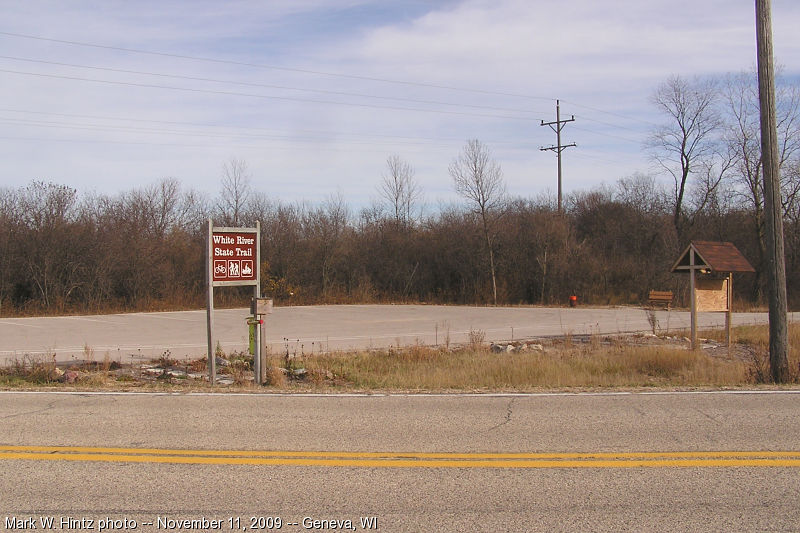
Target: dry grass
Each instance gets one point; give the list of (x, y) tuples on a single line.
[(757, 337), (569, 362), (275, 377), (42, 370), (33, 369), (421, 368)]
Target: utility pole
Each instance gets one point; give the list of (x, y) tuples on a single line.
[(557, 126), (776, 265)]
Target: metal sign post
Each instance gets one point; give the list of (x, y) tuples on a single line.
[(212, 366), (234, 256), (258, 308), (693, 306)]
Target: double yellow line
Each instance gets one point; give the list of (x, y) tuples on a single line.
[(785, 459)]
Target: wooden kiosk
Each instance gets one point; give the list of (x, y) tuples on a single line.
[(710, 266)]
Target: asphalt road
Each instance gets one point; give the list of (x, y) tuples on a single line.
[(136, 336), (550, 462)]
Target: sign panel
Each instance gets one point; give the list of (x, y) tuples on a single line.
[(711, 294), (234, 256)]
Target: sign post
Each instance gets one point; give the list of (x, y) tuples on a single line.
[(258, 308), (234, 256)]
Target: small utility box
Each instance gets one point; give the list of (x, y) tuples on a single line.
[(710, 266), (261, 306)]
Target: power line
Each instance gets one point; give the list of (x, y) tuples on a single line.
[(597, 158), (558, 148), (262, 85), (278, 133), (603, 134), (205, 125), (250, 95), (271, 67), (261, 132), (185, 145), (626, 117), (325, 73), (218, 135), (609, 124)]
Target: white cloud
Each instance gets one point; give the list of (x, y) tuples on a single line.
[(592, 55)]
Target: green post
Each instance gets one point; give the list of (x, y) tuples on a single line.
[(251, 324)]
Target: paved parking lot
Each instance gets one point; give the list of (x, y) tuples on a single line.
[(135, 336)]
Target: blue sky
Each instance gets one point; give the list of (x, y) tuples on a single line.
[(315, 95)]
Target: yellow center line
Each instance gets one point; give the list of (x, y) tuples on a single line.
[(725, 458), (405, 455), (406, 463)]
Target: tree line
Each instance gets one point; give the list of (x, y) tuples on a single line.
[(143, 249)]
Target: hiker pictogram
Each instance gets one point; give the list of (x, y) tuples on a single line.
[(233, 268)]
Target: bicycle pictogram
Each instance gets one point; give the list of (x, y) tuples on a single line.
[(220, 269)]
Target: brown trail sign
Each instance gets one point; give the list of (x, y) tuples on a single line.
[(232, 259), (234, 256)]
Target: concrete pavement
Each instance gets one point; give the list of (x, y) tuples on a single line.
[(669, 497), (135, 336)]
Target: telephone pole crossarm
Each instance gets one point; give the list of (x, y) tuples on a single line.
[(557, 125), (559, 148)]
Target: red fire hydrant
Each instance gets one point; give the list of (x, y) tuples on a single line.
[(573, 301)]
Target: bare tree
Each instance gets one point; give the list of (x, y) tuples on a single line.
[(687, 146), (9, 224), (479, 179), (164, 206), (743, 138), (325, 229), (52, 245), (642, 193), (235, 191), (399, 188)]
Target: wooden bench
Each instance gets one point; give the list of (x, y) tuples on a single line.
[(661, 298)]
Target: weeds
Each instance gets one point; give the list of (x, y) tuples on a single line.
[(238, 371), (756, 339), (759, 370), (468, 369), (239, 367), (564, 362), (88, 353), (477, 339), (197, 365), (445, 326), (568, 339), (38, 369), (276, 377), (652, 319), (165, 360)]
